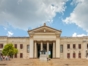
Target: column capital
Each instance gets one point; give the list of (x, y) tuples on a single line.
[(31, 36), (58, 35)]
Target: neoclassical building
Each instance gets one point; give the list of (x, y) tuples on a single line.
[(49, 39)]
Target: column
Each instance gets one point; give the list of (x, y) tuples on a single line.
[(41, 46), (31, 48), (54, 50), (35, 50), (58, 48), (47, 46), (47, 49)]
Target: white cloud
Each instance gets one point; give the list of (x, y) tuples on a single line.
[(9, 34), (78, 35), (24, 13), (80, 15)]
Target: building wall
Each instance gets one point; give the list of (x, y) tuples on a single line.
[(74, 40), (17, 40), (63, 41)]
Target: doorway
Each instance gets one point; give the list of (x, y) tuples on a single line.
[(50, 53)]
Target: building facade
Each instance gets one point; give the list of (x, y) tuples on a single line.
[(50, 40)]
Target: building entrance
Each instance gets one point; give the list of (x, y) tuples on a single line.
[(46, 47)]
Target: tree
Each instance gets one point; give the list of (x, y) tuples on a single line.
[(9, 50)]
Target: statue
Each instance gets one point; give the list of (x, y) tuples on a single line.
[(43, 55)]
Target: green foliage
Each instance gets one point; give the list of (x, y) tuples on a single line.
[(9, 50)]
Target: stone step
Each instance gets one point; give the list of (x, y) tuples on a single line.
[(37, 62)]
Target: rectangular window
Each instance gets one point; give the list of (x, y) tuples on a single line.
[(15, 55), (79, 46), (79, 55), (21, 55), (68, 55), (68, 46), (21, 46), (61, 48), (73, 55), (1, 45), (74, 46), (27, 48), (15, 45)]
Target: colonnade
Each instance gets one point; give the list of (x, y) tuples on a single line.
[(41, 48)]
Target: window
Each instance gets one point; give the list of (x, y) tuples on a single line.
[(15, 45), (68, 46), (74, 46), (73, 55), (79, 46), (27, 48), (68, 55), (21, 55), (21, 46), (15, 55), (1, 45), (79, 55), (61, 48)]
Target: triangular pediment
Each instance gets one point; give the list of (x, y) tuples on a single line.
[(44, 29)]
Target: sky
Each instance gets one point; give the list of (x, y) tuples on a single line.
[(17, 16)]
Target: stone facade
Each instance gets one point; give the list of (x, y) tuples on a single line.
[(49, 39)]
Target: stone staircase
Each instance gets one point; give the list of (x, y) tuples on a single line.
[(70, 62), (52, 62)]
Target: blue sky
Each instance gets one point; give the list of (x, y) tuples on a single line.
[(17, 16)]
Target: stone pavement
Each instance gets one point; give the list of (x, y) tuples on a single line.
[(52, 62)]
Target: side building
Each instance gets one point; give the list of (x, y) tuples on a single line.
[(49, 39)]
